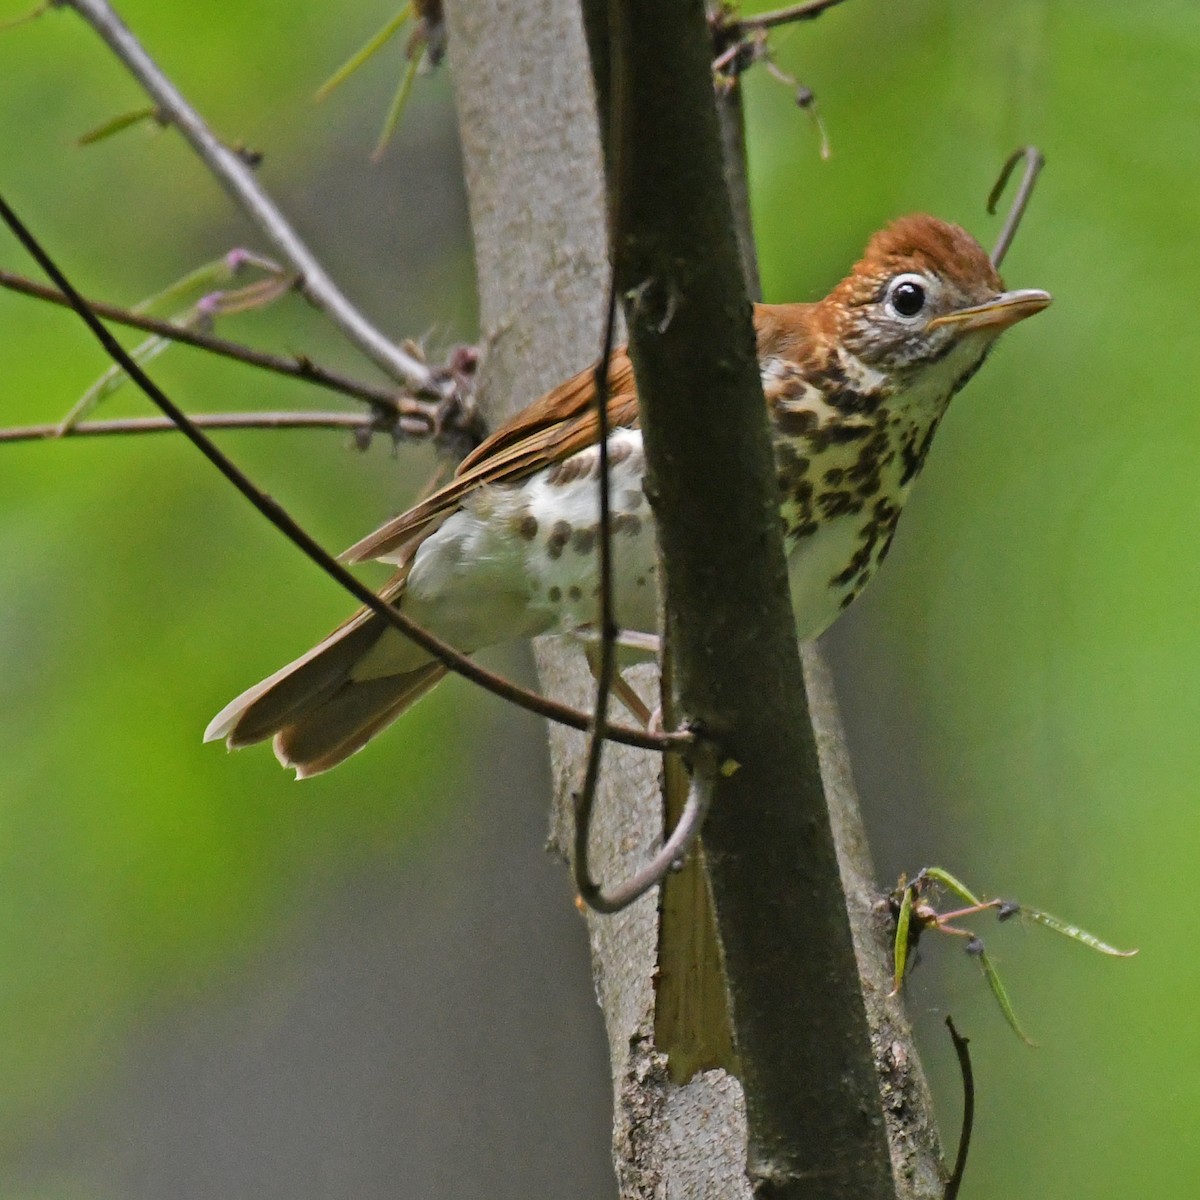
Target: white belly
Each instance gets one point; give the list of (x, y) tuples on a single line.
[(521, 561)]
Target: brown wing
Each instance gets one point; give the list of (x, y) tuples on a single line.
[(558, 425), (551, 429)]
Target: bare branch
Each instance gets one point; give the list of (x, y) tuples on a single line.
[(783, 16), (384, 399), (589, 891), (962, 1051), (138, 425), (1034, 162), (239, 180), (451, 658)]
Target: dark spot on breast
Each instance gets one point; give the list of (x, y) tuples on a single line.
[(583, 540), (860, 558), (913, 450), (838, 504), (795, 422), (618, 452), (627, 523), (559, 535), (791, 467), (874, 539), (848, 431), (841, 394), (571, 469), (832, 377), (554, 595), (863, 402), (574, 593), (834, 475), (864, 475), (527, 527)]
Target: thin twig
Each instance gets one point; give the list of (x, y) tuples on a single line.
[(451, 658), (239, 180), (241, 420), (590, 891), (961, 1048), (705, 771), (784, 16), (1034, 162), (741, 43), (384, 399)]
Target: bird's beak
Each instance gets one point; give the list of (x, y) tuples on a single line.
[(1006, 309)]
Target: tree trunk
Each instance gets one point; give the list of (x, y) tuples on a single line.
[(535, 179)]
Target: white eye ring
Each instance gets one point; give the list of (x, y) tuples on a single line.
[(907, 296)]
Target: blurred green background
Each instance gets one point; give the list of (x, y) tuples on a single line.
[(213, 983)]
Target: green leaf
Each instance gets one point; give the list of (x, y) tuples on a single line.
[(118, 124), (362, 55), (949, 882), (251, 298), (396, 111), (25, 18), (998, 990), (1074, 932), (207, 277), (900, 954), (110, 381)]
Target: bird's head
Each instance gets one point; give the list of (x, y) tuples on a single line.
[(924, 295)]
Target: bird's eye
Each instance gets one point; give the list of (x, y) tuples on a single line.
[(906, 295)]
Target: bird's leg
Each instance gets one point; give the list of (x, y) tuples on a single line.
[(628, 639), (632, 639)]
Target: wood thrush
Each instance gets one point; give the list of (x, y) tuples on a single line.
[(855, 386)]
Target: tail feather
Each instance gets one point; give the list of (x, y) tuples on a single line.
[(331, 701), (262, 710), (340, 725)]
